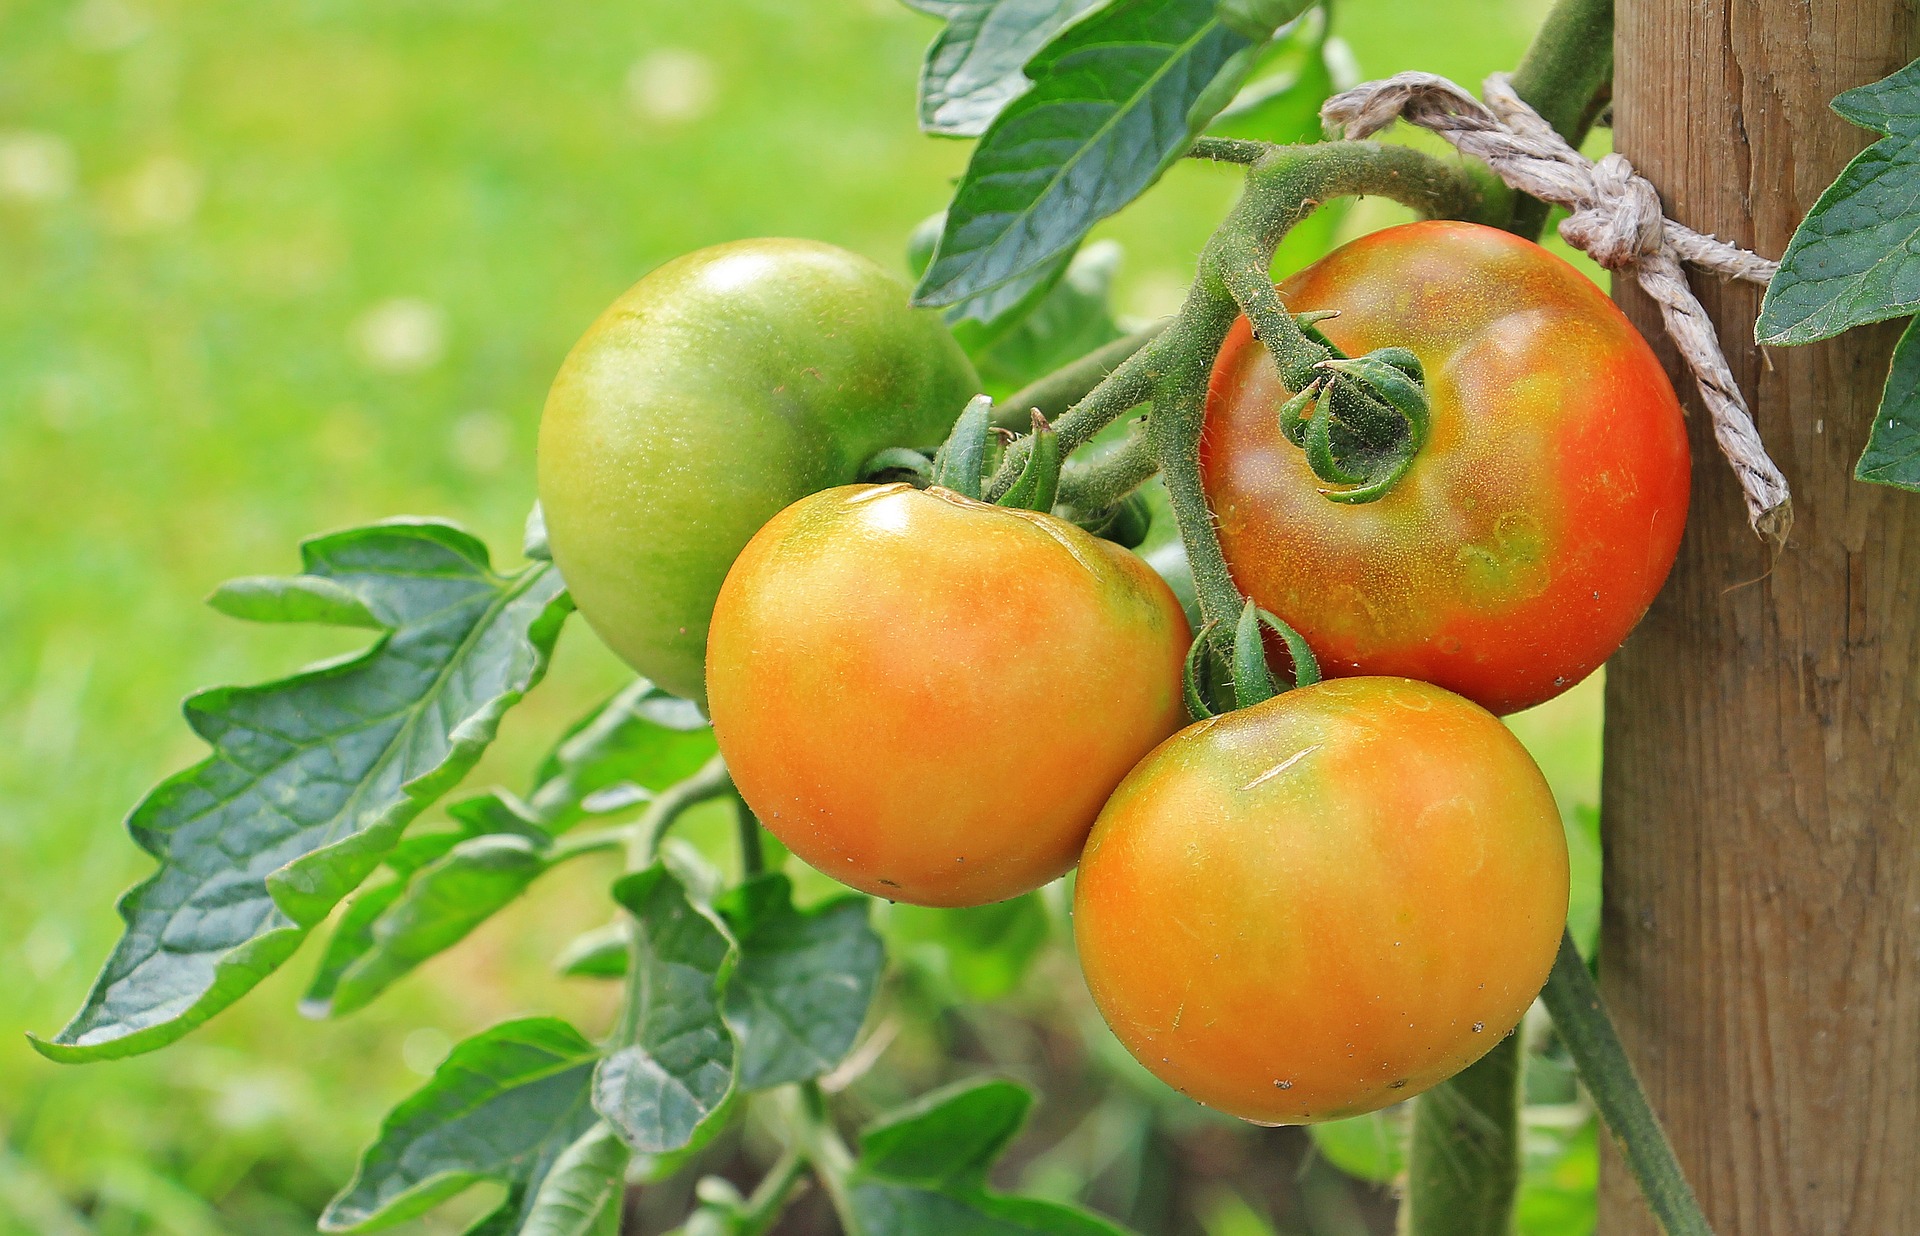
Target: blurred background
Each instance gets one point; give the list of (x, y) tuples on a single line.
[(277, 267)]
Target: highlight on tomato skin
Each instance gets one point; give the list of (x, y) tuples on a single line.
[(1532, 530), (1326, 903), (929, 698)]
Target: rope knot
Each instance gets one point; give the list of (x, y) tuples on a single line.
[(1621, 221)]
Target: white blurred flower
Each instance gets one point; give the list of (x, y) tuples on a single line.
[(35, 167), (482, 442), (672, 85), (402, 335), (163, 192)]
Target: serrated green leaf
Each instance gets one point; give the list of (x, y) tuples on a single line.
[(505, 1106), (641, 737), (292, 598), (443, 902), (312, 778), (1892, 456), (948, 1139), (1117, 96), (585, 1181), (600, 953), (351, 940), (1258, 19), (1291, 79), (671, 1067), (975, 66), (1855, 258), (800, 992), (922, 1170)]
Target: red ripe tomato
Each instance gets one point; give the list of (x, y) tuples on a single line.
[(929, 698), (1537, 523), (1323, 904)]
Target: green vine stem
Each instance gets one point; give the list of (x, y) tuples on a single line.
[(1566, 76), (710, 780), (1583, 1025), (769, 1199), (1097, 484), (819, 1142), (1058, 391), (753, 859), (1463, 1173)]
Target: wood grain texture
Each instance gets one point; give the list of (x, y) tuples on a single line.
[(1761, 798)]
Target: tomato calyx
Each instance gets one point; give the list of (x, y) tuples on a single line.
[(1361, 423), (1205, 678), (1039, 481)]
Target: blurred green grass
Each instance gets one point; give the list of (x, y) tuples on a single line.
[(276, 267)]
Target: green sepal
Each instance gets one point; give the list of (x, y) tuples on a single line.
[(1128, 522), (897, 463), (1318, 444), (1306, 666), (1192, 686), (1296, 410), (1309, 324), (961, 462), (1396, 378), (1034, 489), (1252, 682)]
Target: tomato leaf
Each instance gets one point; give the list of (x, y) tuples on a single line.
[(1117, 97), (507, 1105), (580, 1195), (1892, 456), (444, 902), (671, 1067), (600, 953), (312, 778), (922, 1171), (974, 67), (800, 993), (641, 740), (1855, 258)]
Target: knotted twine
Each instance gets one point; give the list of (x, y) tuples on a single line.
[(1617, 220)]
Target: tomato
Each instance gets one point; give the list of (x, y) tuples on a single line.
[(713, 393), (1326, 903), (929, 698), (1537, 523)]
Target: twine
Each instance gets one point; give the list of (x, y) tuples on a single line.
[(1617, 220)]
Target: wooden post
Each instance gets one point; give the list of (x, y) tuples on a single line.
[(1761, 800)]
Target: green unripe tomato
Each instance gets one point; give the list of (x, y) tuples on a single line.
[(716, 391)]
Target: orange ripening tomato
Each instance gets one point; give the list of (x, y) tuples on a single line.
[(1325, 903), (1536, 524), (928, 698)]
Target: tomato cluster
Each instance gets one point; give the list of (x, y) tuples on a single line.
[(1308, 908)]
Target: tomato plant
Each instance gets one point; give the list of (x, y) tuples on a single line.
[(718, 389), (1325, 903), (1437, 452), (1535, 524), (875, 648)]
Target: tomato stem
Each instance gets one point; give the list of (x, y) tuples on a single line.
[(1463, 1164), (1566, 76), (1057, 392)]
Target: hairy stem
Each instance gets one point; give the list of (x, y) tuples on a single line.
[(1582, 1022), (1067, 386), (710, 780), (1463, 1168), (753, 859), (1119, 393), (815, 1137), (1099, 483), (1565, 74), (763, 1209)]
